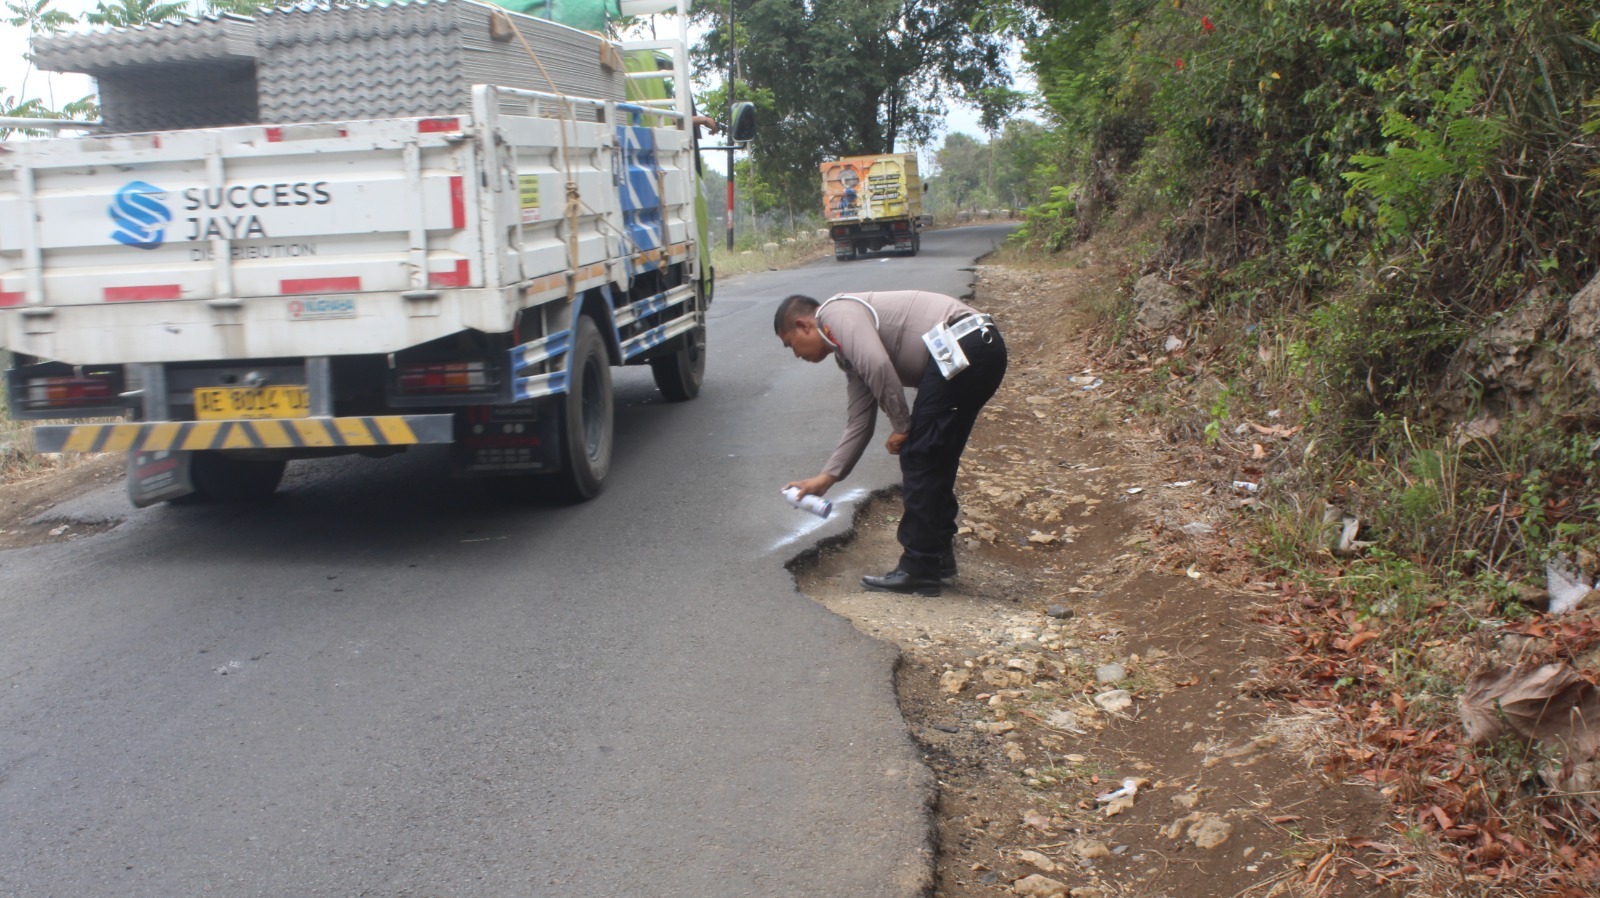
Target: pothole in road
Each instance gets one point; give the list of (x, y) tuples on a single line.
[(25, 511), (1033, 694)]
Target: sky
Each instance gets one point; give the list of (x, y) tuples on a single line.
[(57, 88)]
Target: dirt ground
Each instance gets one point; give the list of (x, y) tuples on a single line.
[(1084, 648)]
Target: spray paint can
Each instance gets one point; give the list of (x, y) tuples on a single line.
[(815, 504)]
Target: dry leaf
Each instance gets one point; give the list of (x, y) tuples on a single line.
[(1360, 639), (1546, 702), (1276, 430)]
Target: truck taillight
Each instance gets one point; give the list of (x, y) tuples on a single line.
[(901, 225), (430, 378), (74, 391)]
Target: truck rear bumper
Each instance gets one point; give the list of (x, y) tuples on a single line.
[(276, 433)]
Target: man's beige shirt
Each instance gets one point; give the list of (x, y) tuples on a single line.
[(880, 359)]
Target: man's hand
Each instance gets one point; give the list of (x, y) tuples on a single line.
[(814, 486), (895, 442)]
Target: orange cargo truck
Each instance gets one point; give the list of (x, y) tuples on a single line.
[(873, 203)]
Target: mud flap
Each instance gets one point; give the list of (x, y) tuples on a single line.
[(158, 476), (506, 439)]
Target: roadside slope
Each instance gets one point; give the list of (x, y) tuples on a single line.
[(1086, 644)]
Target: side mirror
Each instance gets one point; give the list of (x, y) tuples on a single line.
[(924, 186), (742, 129)]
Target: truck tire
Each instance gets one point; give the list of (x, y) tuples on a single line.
[(587, 425), (220, 478), (680, 374)]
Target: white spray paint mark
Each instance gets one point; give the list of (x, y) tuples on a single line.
[(810, 523)]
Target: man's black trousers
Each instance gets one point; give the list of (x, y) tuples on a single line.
[(941, 421)]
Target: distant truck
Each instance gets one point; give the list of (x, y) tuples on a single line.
[(308, 263), (873, 203)]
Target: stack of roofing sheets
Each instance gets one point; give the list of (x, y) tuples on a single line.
[(328, 61), (191, 73)]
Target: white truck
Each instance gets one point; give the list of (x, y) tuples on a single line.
[(236, 297)]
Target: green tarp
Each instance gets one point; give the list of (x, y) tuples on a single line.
[(589, 15)]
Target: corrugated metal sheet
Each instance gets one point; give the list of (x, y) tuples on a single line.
[(329, 61), (208, 39), (326, 61), (173, 97), (189, 73)]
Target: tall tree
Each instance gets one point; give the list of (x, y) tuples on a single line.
[(40, 19), (963, 168), (853, 76), (127, 13), (238, 7)]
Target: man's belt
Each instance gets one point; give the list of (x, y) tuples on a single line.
[(967, 325)]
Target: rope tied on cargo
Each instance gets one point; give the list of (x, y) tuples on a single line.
[(574, 203)]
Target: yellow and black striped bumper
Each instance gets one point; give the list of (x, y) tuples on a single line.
[(275, 433)]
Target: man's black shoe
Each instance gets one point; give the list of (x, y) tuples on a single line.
[(899, 581)]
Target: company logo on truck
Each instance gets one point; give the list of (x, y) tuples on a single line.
[(140, 215), (233, 208)]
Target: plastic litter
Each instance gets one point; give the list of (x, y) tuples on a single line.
[(1129, 788), (1567, 584)]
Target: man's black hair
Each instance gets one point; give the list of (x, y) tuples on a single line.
[(792, 309)]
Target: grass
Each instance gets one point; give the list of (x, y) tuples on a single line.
[(768, 255), (18, 461)]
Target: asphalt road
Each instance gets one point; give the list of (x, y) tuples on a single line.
[(388, 682)]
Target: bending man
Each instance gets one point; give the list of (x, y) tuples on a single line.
[(878, 340)]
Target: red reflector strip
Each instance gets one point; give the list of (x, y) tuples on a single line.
[(143, 293), (435, 125), (458, 203), (10, 299), (48, 392), (274, 135), (302, 286), (460, 277), (444, 377)]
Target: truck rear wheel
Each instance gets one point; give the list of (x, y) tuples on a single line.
[(221, 478), (587, 425), (680, 374)]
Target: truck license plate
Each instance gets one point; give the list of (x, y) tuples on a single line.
[(223, 403)]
